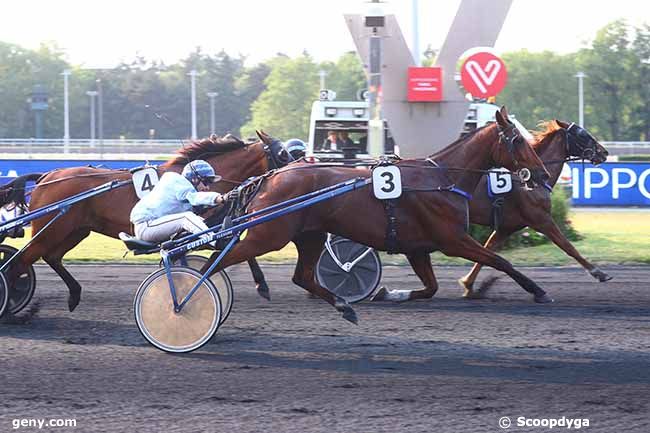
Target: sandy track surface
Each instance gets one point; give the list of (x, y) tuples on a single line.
[(292, 364)]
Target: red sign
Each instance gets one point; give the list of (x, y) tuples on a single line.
[(483, 74), (424, 84)]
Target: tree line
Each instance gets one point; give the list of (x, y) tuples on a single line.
[(146, 98)]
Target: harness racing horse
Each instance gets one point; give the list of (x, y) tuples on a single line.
[(430, 215), (555, 144), (108, 213)]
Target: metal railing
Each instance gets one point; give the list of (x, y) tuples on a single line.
[(32, 147), (102, 148), (627, 147)]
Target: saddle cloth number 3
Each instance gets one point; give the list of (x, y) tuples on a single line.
[(144, 181), (499, 181), (387, 182)]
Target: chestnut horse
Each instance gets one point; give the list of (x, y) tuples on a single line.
[(430, 215), (557, 143), (108, 213)]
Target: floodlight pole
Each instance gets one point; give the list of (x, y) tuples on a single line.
[(193, 75), (66, 112), (375, 20), (92, 94), (581, 113), (415, 23), (212, 95), (322, 74)]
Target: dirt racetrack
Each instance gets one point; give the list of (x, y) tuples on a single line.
[(292, 364)]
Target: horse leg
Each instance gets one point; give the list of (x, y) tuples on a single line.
[(260, 281), (54, 259), (468, 248), (421, 264), (309, 247), (553, 232), (494, 242)]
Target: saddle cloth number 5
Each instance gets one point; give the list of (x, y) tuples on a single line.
[(499, 181), (387, 182), (144, 181)]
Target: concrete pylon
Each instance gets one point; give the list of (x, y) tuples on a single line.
[(423, 128)]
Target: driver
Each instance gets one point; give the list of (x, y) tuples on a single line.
[(296, 148), (167, 209)]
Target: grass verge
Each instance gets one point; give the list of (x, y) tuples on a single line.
[(609, 238)]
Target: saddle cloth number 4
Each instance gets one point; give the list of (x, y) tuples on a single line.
[(499, 181), (387, 182), (144, 181)]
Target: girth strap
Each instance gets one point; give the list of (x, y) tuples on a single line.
[(392, 244)]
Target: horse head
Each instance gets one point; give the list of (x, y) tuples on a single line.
[(581, 144), (515, 153), (276, 152)]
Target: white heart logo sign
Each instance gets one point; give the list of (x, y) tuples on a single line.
[(483, 77)]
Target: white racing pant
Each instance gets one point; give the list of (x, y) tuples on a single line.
[(163, 228)]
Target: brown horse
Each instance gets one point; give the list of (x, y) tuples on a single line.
[(555, 144), (108, 213), (429, 215)]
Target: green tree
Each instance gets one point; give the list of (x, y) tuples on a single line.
[(541, 86), (346, 77), (641, 50), (608, 88), (283, 109), (20, 71)]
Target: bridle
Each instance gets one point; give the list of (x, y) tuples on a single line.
[(510, 136), (277, 155), (579, 146)]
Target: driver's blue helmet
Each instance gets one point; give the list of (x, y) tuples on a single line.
[(200, 170), (296, 147)]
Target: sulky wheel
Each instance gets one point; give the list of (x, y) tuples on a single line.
[(22, 292), (360, 281), (4, 295), (186, 330), (220, 280)]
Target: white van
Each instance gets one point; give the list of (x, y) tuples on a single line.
[(328, 115)]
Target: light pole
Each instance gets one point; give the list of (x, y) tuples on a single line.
[(92, 94), (66, 112), (415, 10), (193, 75), (322, 74), (375, 20), (100, 114), (581, 114), (212, 95)]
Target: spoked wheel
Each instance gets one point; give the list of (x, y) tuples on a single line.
[(4, 295), (220, 280), (361, 279), (186, 330), (22, 292)]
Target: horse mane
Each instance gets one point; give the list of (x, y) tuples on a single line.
[(461, 140), (545, 130), (212, 145)]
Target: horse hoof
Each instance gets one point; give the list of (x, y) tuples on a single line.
[(543, 299), (263, 291), (350, 315), (381, 294), (600, 275), (72, 303), (471, 294), (466, 287)]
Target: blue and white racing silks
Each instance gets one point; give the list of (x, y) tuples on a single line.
[(173, 194)]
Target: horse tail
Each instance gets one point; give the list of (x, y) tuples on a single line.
[(14, 191)]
